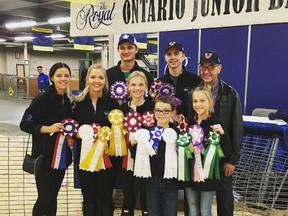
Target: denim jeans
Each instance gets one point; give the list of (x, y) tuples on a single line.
[(162, 197), (199, 202)]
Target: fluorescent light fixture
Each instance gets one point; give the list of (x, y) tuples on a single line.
[(24, 38), (59, 20), (98, 48), (55, 36), (20, 24), (2, 40)]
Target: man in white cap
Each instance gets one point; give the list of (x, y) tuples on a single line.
[(127, 50)]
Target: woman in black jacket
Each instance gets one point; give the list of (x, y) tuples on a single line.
[(93, 106), (43, 119)]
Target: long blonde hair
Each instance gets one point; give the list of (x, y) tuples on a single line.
[(85, 91)]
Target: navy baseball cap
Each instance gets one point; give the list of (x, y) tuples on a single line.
[(127, 38), (174, 44), (210, 57)]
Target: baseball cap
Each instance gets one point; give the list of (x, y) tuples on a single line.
[(210, 57), (127, 38), (174, 44)]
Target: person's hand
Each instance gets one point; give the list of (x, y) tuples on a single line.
[(217, 128), (56, 127), (191, 147), (133, 142), (178, 118), (228, 169)]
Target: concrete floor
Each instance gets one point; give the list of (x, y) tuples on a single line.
[(11, 111)]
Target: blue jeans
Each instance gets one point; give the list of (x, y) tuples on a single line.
[(162, 197), (199, 202)]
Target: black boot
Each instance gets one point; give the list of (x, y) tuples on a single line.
[(88, 209)]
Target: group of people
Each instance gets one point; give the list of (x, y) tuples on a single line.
[(207, 101)]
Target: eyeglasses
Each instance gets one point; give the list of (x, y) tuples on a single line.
[(209, 68), (165, 112)]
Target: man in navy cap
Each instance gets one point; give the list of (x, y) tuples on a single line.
[(177, 75), (127, 49), (227, 108)]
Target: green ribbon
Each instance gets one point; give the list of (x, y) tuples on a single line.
[(183, 141), (214, 140)]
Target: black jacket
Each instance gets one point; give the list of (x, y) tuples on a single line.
[(115, 74), (45, 110), (228, 109), (84, 113), (147, 106), (186, 82), (211, 184)]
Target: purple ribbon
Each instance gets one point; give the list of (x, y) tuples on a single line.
[(119, 90)]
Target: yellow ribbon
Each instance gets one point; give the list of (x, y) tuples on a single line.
[(117, 145)]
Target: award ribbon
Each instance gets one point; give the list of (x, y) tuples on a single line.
[(86, 133), (132, 122), (184, 154), (165, 89), (119, 91), (96, 127), (156, 134), (63, 139), (117, 145), (70, 129), (212, 155), (94, 160), (148, 119), (153, 88), (170, 168), (183, 125), (197, 138), (144, 151)]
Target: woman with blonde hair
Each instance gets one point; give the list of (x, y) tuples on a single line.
[(93, 106)]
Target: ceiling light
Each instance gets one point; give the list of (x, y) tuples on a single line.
[(59, 20), (98, 48), (55, 36), (20, 24), (24, 38), (2, 40)]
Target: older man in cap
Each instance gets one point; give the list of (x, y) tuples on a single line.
[(127, 49), (227, 108)]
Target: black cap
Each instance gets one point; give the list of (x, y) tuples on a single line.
[(174, 44), (210, 57)]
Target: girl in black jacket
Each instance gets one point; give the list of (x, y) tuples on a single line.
[(43, 119), (137, 84), (204, 184), (93, 106)]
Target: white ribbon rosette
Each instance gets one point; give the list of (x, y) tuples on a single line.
[(144, 151), (170, 136)]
